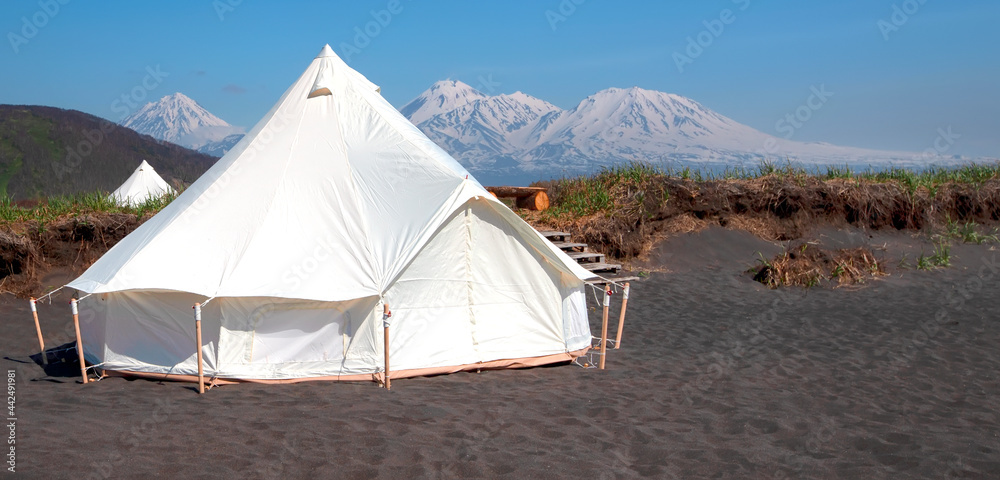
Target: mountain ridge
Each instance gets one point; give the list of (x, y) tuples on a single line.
[(178, 119), (612, 126)]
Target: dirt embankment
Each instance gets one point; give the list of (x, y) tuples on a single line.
[(29, 250), (641, 213), (772, 207)]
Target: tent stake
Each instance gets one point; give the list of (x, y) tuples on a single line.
[(197, 330), (79, 340), (386, 314), (38, 330), (621, 318), (604, 324)]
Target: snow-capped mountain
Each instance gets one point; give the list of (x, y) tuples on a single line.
[(178, 119), (517, 138), (508, 134), (479, 129)]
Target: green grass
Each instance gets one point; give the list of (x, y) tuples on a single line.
[(968, 232), (74, 205), (584, 196), (912, 179), (940, 258)]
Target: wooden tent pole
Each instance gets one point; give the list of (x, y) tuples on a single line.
[(604, 325), (38, 330), (386, 314), (197, 330), (621, 318), (79, 340)]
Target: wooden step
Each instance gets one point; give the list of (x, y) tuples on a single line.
[(569, 245), (601, 267), (593, 261), (554, 236), (586, 257)]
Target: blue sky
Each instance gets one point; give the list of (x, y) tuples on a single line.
[(895, 80)]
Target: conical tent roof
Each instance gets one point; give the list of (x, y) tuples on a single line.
[(333, 175), (141, 186)]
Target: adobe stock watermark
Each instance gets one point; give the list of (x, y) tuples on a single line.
[(123, 106), (955, 299), (225, 7), (305, 268), (135, 440), (487, 84), (275, 125), (714, 28), (946, 138), (901, 14), (11, 455), (562, 12), (30, 26), (747, 344), (797, 118), (364, 35), (273, 465)]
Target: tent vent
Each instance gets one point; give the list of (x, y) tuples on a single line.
[(324, 79), (319, 92)]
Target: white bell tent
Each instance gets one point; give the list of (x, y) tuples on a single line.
[(143, 185), (333, 205)]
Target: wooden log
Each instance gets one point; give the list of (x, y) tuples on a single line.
[(604, 326), (515, 192), (621, 317), (197, 333), (38, 331), (79, 339), (537, 201), (386, 314)]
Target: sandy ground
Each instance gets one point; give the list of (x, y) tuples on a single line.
[(717, 377)]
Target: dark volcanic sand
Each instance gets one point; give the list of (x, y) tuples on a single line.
[(718, 377)]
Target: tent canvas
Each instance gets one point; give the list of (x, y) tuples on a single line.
[(144, 184), (333, 205)]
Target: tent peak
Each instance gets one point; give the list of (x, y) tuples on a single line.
[(326, 52)]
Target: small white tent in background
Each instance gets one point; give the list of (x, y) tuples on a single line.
[(143, 185), (332, 207)]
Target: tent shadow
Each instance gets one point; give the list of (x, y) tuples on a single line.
[(59, 362)]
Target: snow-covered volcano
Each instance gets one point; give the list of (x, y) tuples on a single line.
[(507, 134), (179, 119)]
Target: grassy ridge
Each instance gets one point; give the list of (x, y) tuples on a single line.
[(623, 208), (628, 184), (73, 206), (627, 189)]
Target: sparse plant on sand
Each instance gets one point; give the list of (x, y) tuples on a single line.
[(838, 271), (968, 232), (809, 266), (942, 253), (940, 258)]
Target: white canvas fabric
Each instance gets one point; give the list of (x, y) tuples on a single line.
[(333, 204), (143, 185)]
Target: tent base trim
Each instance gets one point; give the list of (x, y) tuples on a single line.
[(526, 362)]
